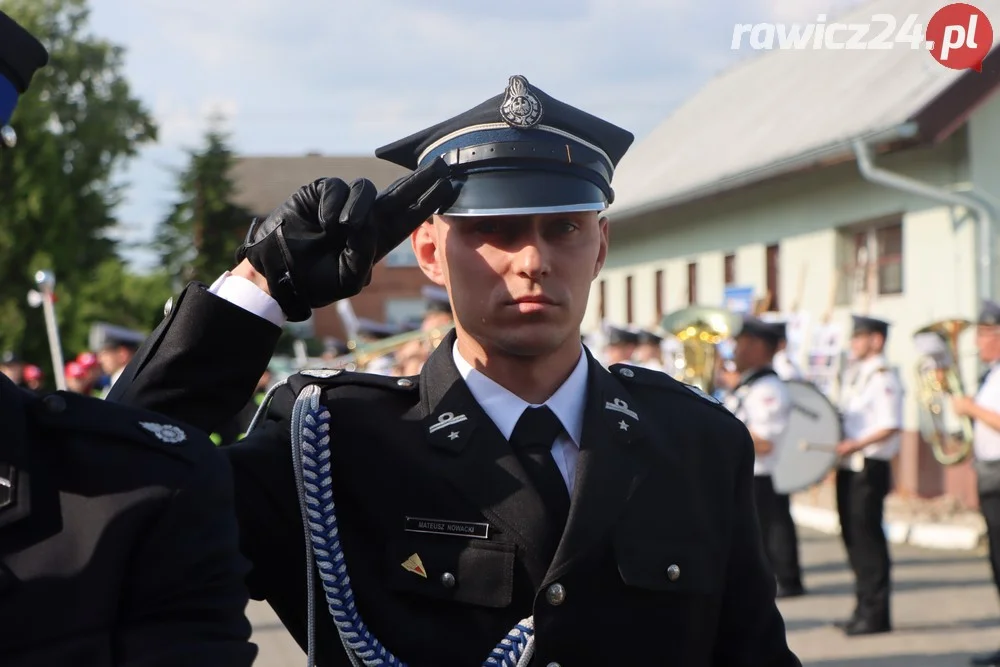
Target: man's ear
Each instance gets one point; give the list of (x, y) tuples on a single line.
[(424, 240), (602, 254)]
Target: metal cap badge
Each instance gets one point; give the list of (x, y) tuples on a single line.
[(520, 108)]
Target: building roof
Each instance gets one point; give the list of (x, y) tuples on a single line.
[(264, 182), (781, 111)]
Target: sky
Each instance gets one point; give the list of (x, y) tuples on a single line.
[(342, 78)]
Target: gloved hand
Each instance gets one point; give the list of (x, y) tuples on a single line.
[(321, 244)]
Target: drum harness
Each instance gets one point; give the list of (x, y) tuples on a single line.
[(749, 380), (310, 435)]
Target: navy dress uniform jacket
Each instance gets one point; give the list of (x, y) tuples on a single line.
[(117, 546), (661, 562)]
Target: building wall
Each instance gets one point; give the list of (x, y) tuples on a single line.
[(389, 283), (811, 218), (984, 161)]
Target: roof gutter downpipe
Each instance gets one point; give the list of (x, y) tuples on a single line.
[(983, 213)]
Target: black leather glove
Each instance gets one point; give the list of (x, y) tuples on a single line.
[(321, 244)]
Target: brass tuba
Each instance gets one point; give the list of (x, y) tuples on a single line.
[(700, 329), (362, 354), (938, 380)]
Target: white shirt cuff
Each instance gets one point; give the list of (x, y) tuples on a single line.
[(249, 297)]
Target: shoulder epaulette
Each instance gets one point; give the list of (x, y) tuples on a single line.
[(334, 377), (116, 423), (661, 380)]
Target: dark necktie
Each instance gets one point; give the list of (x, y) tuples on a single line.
[(532, 440)]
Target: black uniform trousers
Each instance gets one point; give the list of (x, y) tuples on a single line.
[(778, 532), (989, 506), (860, 505)]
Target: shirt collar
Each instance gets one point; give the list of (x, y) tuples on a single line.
[(505, 408)]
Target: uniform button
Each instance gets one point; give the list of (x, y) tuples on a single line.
[(403, 382), (54, 403), (448, 580), (627, 372), (556, 594), (553, 664), (673, 573), (168, 306)]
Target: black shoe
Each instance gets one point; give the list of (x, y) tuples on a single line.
[(790, 591), (990, 660), (866, 627), (843, 624)]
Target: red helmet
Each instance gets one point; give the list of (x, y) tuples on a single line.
[(75, 370), (32, 373)]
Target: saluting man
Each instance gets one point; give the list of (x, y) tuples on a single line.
[(516, 479), (760, 400), (872, 409), (118, 544), (985, 410)]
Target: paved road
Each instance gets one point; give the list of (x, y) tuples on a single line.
[(944, 606)]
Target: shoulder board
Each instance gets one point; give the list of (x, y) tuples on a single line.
[(111, 422), (650, 378), (335, 377)]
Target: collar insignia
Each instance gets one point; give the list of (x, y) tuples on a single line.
[(618, 405), (446, 419), (520, 108), (165, 432)]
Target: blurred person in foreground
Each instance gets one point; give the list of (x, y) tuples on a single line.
[(118, 546), (516, 482), (984, 408)]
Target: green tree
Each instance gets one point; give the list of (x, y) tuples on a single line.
[(77, 126), (197, 239)]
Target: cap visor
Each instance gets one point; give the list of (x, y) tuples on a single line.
[(523, 192)]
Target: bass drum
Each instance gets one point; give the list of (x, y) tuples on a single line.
[(806, 451)]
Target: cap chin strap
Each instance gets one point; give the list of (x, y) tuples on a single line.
[(310, 432)]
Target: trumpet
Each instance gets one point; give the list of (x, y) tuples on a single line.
[(938, 380), (363, 354)]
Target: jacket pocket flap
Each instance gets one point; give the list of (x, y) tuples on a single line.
[(447, 568), (668, 566)]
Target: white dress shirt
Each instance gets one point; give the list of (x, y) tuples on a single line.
[(505, 408), (985, 440), (785, 366), (499, 404), (764, 406), (872, 401), (246, 295)]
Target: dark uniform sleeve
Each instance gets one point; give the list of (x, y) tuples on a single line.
[(751, 629), (202, 364), (187, 600)]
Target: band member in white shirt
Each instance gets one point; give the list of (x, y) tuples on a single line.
[(760, 400), (872, 408), (985, 410), (620, 346), (648, 351)]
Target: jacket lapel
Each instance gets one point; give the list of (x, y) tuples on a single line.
[(472, 454), (612, 463)]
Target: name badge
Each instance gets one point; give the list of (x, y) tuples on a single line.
[(480, 531)]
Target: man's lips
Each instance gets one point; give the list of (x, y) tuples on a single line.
[(536, 300)]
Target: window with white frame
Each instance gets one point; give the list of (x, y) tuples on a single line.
[(871, 260)]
